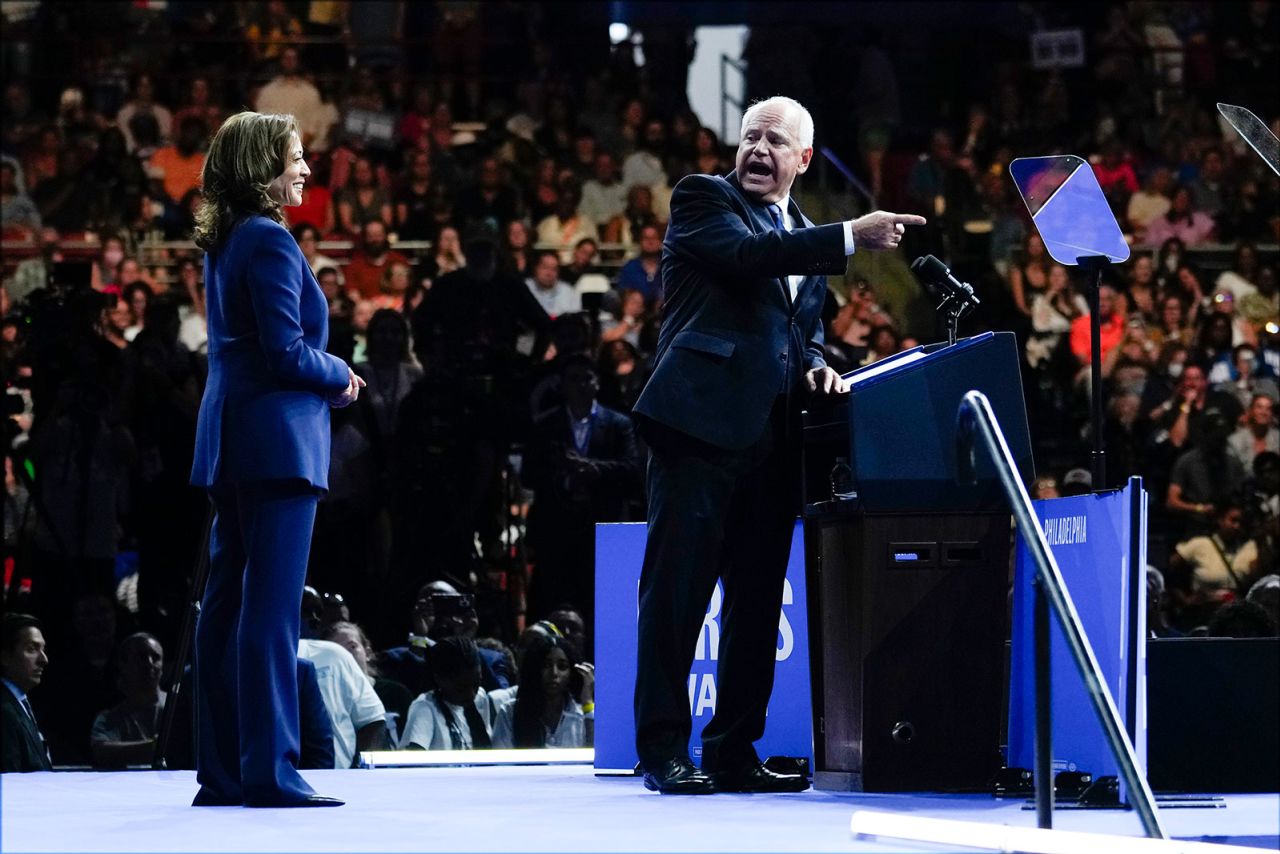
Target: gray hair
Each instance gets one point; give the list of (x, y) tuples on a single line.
[(806, 120)]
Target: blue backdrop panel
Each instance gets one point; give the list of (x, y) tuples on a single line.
[(1090, 536), (619, 555)]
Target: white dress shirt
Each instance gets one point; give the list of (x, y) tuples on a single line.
[(784, 204)]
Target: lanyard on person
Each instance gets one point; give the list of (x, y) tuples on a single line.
[(1225, 562)]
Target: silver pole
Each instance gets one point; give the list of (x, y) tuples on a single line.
[(975, 411)]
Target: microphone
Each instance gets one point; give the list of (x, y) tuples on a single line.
[(931, 271)]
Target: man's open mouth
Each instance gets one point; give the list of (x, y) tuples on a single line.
[(759, 169)]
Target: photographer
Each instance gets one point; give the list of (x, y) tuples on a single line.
[(84, 455), (440, 611)]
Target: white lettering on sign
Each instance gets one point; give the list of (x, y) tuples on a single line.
[(709, 638), (702, 686), (786, 635), (1066, 530), (702, 693)]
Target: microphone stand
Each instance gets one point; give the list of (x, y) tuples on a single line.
[(1095, 264), (955, 305), (177, 664), (955, 308)]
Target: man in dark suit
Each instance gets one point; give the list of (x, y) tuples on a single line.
[(583, 465), (744, 276), (22, 663)]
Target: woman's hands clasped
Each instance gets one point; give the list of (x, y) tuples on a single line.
[(347, 396)]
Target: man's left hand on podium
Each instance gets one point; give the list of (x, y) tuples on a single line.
[(825, 381)]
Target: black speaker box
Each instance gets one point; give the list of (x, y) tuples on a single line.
[(907, 623), (1212, 708)]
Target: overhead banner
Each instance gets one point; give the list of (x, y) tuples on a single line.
[(1099, 543), (619, 555)]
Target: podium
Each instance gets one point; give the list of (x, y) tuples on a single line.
[(908, 580)]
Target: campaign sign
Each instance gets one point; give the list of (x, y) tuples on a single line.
[(1090, 537), (619, 555)]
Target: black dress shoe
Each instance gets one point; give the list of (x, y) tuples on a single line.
[(755, 777), (308, 801), (678, 776)]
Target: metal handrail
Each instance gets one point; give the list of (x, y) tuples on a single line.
[(847, 173), (727, 62), (973, 420)]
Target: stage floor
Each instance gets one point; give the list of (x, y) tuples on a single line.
[(547, 809)]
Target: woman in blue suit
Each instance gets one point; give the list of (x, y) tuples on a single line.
[(262, 451)]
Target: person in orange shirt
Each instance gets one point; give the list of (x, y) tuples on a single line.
[(177, 167), (1112, 314)]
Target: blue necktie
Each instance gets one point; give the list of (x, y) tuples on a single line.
[(775, 213)]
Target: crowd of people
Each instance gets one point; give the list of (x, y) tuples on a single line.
[(497, 283)]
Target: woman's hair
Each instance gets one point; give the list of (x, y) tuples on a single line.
[(1172, 214), (135, 287), (389, 273), (531, 699), (1241, 250), (332, 630), (136, 639), (246, 155), (454, 656), (1192, 270), (391, 317), (610, 357)]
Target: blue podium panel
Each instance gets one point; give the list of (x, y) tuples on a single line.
[(1092, 539), (902, 425), (619, 556)]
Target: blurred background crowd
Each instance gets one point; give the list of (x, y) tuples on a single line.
[(490, 188)]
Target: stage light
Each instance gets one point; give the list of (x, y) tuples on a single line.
[(441, 758), (618, 33), (1030, 840)]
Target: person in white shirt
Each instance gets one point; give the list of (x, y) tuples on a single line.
[(359, 718), (1222, 565), (142, 103), (1151, 201), (556, 296), (289, 93), (548, 709), (568, 225), (604, 196), (456, 715), (1256, 433)]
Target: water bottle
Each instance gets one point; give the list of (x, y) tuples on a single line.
[(842, 481)]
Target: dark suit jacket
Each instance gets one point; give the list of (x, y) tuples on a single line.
[(21, 748), (732, 339), (264, 414), (611, 447)]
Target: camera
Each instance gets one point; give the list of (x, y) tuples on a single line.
[(452, 605)]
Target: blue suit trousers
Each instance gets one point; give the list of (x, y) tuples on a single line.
[(246, 645)]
